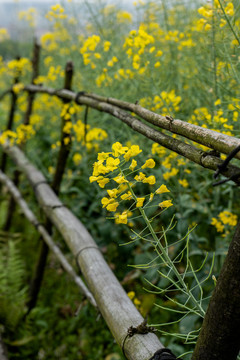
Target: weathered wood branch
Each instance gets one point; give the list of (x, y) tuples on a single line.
[(220, 332), (113, 302), (189, 151), (46, 237), (210, 138)]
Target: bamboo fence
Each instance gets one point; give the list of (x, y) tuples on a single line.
[(109, 295), (214, 140), (47, 238), (105, 291)]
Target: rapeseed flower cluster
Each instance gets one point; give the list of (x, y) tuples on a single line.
[(208, 11), (49, 41), (219, 121), (165, 102), (4, 35), (19, 67), (20, 136), (224, 218), (17, 88), (56, 12), (29, 16), (78, 132), (87, 136), (114, 168)]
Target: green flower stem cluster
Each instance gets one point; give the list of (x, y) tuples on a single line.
[(113, 162), (125, 176)]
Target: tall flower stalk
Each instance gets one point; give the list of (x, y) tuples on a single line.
[(119, 167)]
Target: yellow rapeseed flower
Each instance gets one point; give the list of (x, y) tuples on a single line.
[(77, 158), (133, 151), (120, 179), (162, 189), (150, 163), (140, 202), (131, 294), (127, 196), (102, 182), (118, 149), (183, 182), (165, 204), (219, 226), (112, 193), (140, 177), (122, 218), (111, 163), (133, 165), (151, 180)]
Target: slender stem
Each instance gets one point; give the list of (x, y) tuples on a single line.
[(229, 23), (214, 60), (165, 256)]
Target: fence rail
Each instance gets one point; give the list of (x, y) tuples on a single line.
[(219, 142)]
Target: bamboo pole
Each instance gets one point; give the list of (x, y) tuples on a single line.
[(220, 332), (113, 303), (46, 236)]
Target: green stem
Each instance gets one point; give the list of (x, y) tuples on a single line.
[(229, 23), (166, 258)]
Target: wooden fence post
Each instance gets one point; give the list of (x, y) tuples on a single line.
[(10, 116), (35, 73), (57, 179), (115, 306), (31, 96), (220, 332), (66, 142)]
